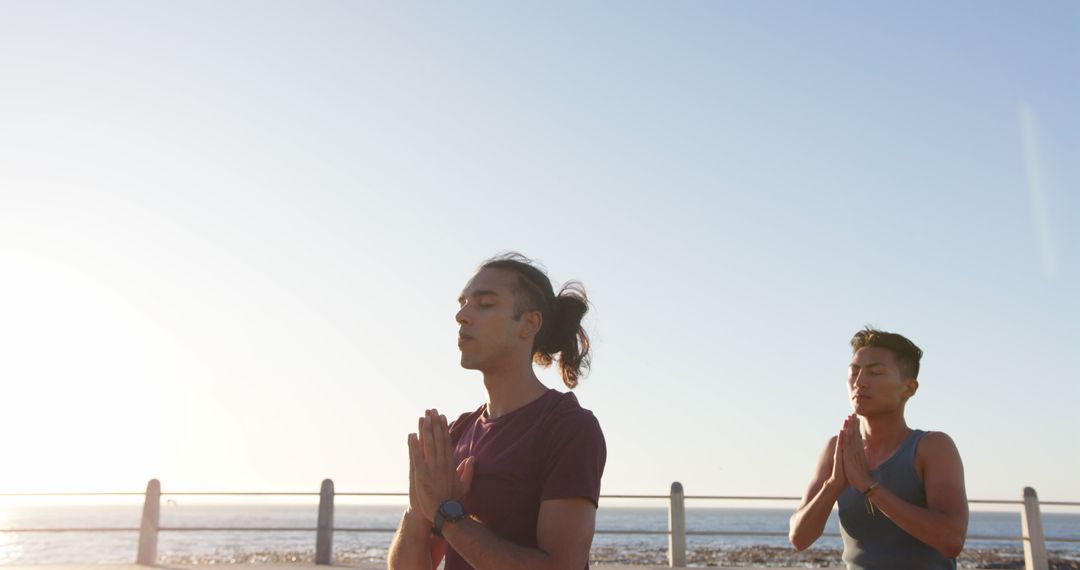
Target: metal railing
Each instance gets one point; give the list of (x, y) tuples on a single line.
[(1032, 537)]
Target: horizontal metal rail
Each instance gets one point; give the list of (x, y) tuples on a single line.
[(72, 494), (236, 494), (739, 498), (371, 494), (70, 529), (400, 494), (237, 529)]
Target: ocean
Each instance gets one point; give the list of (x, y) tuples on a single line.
[(210, 546)]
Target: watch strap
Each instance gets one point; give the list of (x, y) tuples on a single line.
[(437, 524), (441, 518)]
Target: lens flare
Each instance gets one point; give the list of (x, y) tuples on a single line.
[(1039, 208)]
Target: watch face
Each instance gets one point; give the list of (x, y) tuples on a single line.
[(453, 510)]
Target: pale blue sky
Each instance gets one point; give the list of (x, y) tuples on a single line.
[(232, 234)]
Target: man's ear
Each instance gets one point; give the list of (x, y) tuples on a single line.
[(531, 321), (912, 387)]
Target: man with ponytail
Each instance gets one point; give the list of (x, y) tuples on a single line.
[(515, 483)]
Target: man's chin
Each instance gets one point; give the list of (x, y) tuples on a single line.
[(468, 363)]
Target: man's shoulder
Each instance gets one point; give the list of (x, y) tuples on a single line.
[(565, 406), (934, 445), (566, 415), (937, 438)]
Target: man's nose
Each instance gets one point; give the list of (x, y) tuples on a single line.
[(460, 316)]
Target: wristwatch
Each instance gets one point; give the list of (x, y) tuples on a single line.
[(449, 511)]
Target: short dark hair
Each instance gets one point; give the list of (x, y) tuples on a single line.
[(906, 353), (560, 331)]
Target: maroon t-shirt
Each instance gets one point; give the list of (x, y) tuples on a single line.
[(550, 448)]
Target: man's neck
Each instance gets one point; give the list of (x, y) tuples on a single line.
[(883, 433), (511, 387)]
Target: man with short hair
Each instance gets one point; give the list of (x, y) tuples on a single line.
[(516, 483), (900, 491)]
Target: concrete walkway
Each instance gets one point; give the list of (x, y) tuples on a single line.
[(276, 567)]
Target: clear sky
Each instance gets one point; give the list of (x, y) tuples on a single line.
[(232, 235)]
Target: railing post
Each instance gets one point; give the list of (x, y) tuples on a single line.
[(151, 520), (677, 527), (1032, 529), (324, 537)]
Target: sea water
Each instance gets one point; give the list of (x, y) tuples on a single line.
[(223, 546)]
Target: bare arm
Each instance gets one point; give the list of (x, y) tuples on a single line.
[(943, 523), (414, 547), (808, 521), (564, 533)]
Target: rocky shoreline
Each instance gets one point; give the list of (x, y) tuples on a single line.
[(773, 556), (749, 556)]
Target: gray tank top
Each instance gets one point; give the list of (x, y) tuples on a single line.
[(873, 542)]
